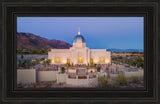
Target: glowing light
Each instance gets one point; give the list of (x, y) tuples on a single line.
[(57, 60), (80, 60), (101, 59), (91, 61), (68, 61)]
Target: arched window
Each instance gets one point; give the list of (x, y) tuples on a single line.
[(57, 60), (91, 61), (80, 60), (101, 59), (68, 61)]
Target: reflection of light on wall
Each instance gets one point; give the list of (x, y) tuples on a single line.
[(64, 61), (96, 60), (52, 61), (101, 59), (107, 61)]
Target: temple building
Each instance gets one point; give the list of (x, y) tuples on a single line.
[(79, 54)]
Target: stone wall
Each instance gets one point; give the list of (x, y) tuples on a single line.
[(61, 78), (139, 73), (79, 82), (46, 75), (26, 76)]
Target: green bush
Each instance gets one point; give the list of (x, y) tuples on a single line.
[(135, 79), (98, 68), (121, 79), (62, 70)]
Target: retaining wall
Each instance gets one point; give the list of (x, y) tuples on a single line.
[(139, 73), (26, 76), (46, 75)]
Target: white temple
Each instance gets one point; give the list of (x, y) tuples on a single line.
[(79, 54)]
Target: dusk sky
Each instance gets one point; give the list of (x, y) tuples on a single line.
[(99, 32)]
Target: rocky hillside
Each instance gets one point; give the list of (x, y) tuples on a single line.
[(31, 41)]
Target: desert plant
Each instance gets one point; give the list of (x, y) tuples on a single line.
[(117, 67), (103, 82), (108, 76), (111, 71), (62, 70), (50, 82), (121, 79), (135, 79)]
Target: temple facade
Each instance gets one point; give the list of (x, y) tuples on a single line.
[(79, 54)]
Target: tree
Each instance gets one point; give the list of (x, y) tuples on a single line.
[(48, 62), (44, 63), (27, 63)]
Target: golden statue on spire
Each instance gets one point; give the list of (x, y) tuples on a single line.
[(79, 31)]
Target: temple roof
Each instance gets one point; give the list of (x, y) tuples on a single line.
[(79, 38)]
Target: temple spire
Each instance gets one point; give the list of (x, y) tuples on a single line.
[(79, 31)]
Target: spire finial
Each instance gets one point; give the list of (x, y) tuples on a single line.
[(79, 31)]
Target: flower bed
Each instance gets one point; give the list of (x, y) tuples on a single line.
[(82, 77)]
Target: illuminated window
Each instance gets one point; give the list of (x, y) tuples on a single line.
[(91, 61), (57, 60), (68, 61), (101, 59), (80, 60)]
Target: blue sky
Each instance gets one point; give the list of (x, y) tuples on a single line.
[(99, 32)]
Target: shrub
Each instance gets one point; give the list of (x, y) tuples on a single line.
[(98, 68), (117, 67), (135, 79), (121, 79), (50, 82), (103, 82), (62, 70)]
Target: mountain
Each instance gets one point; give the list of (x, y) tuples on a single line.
[(125, 50), (31, 41)]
